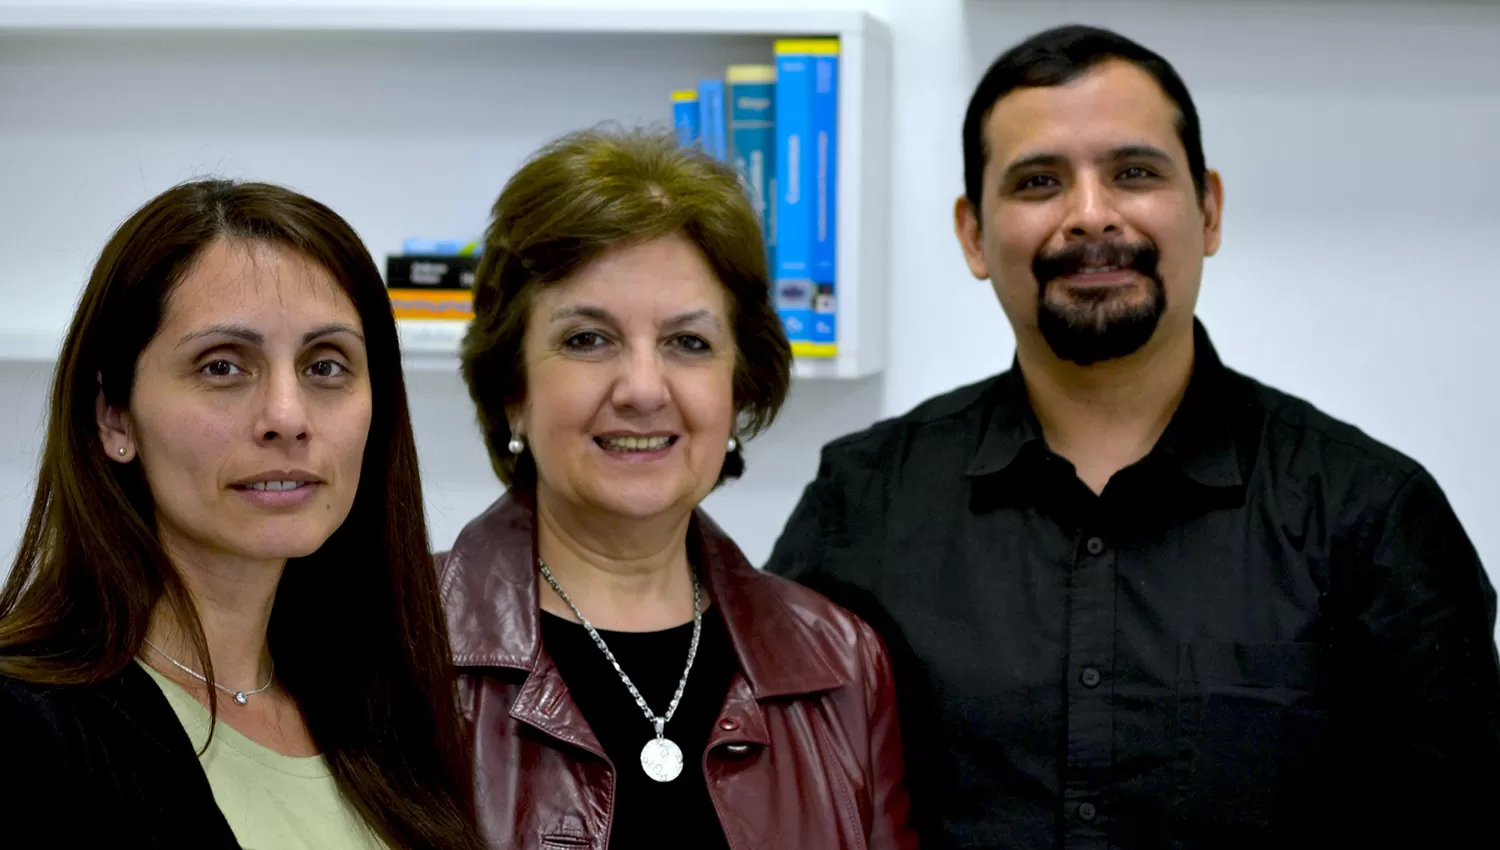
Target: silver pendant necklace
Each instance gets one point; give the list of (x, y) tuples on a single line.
[(240, 697), (660, 758)]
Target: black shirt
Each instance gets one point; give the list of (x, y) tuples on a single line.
[(1270, 632), (648, 813)]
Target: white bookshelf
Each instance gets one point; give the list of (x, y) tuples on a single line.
[(107, 103)]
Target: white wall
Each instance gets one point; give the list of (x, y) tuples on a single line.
[(1356, 140)]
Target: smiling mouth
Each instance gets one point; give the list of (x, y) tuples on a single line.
[(275, 486), (634, 444)]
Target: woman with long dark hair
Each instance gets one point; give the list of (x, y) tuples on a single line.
[(223, 627)]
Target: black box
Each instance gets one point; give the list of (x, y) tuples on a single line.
[(430, 271)]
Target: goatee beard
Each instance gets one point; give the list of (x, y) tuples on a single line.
[(1091, 326)]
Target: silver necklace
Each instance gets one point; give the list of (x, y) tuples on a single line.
[(240, 697), (660, 758)]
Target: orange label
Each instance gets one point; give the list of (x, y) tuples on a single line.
[(432, 304)]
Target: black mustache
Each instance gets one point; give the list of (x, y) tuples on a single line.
[(1141, 257)]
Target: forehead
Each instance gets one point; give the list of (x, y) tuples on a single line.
[(668, 274), (1114, 104), (245, 280)]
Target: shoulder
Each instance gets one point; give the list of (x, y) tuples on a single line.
[(935, 419), (30, 708), (1303, 445), (827, 629)]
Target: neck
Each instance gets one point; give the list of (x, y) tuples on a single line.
[(233, 599), (1107, 416), (623, 574)]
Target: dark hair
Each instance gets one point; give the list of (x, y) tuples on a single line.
[(357, 629), (582, 195), (1056, 57)]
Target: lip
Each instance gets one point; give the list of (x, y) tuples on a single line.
[(642, 456), (278, 475), (278, 499), (1115, 277)]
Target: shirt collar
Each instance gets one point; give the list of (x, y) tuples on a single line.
[(1199, 440), (489, 593)]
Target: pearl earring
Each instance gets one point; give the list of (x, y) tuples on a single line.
[(733, 444), (516, 444), (121, 450)]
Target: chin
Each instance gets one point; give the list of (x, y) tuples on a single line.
[(640, 502), (281, 543)]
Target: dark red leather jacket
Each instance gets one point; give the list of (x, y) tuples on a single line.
[(806, 754)]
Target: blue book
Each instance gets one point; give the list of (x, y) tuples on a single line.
[(799, 212), (825, 135), (825, 233), (711, 118), (752, 141), (685, 117)]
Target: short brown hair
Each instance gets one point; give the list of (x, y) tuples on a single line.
[(600, 189)]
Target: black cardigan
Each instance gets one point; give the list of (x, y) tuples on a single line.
[(104, 765)]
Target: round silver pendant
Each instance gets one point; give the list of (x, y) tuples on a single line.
[(240, 697), (661, 759)]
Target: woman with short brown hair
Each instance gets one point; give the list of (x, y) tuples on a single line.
[(627, 677)]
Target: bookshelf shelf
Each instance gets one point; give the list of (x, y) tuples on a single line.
[(346, 100)]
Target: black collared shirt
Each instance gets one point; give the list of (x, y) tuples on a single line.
[(1270, 632)]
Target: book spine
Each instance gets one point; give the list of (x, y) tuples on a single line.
[(794, 201), (752, 141), (711, 118), (685, 117), (825, 233)]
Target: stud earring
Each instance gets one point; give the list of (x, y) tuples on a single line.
[(516, 444), (121, 451), (733, 444)]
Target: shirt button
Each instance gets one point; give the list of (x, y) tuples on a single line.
[(729, 724), (1089, 677), (1095, 545), (1086, 811)]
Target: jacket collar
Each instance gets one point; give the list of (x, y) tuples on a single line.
[(490, 593), (1199, 440)]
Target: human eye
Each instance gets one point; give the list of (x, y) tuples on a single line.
[(327, 369), (1036, 184), (1136, 172), (585, 341), (220, 368), (692, 343)]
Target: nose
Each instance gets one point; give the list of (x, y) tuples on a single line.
[(642, 383), (1091, 211), (283, 413)]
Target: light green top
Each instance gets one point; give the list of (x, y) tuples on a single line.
[(272, 801)]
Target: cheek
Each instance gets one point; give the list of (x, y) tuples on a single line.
[(706, 399), (183, 442), (561, 400)]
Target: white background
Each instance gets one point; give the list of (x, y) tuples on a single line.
[(1357, 141)]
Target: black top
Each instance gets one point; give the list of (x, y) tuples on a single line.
[(1271, 631), (104, 765), (648, 813)]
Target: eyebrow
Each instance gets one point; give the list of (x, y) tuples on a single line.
[(1054, 160), (254, 337), (600, 314)]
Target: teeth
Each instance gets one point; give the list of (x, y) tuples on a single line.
[(636, 444), (1100, 269), (276, 485)]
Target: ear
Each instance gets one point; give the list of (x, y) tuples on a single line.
[(1213, 211), (970, 235), (116, 431)]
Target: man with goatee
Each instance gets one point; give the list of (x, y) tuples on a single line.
[(1136, 599)]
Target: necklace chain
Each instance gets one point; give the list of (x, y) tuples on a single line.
[(657, 722), (240, 697)]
